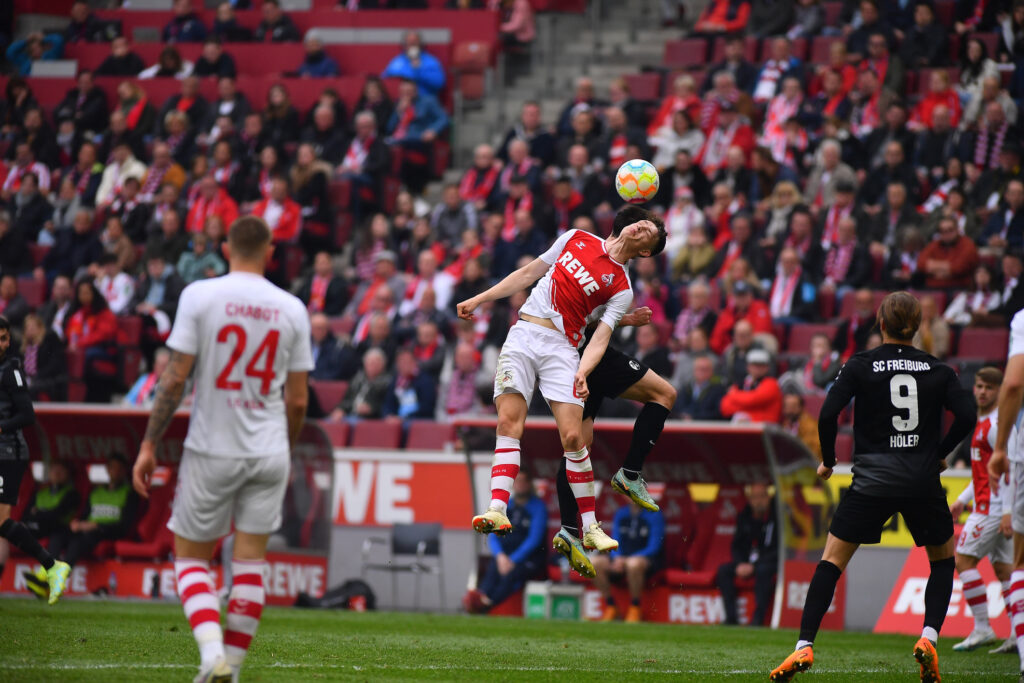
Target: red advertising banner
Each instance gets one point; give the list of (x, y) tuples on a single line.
[(794, 592), (287, 575), (904, 609)]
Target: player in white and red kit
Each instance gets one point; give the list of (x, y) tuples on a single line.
[(583, 279), (987, 532), (249, 342)]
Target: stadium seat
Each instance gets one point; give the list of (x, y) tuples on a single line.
[(645, 87), (716, 525), (33, 290), (129, 366), (800, 335), (38, 252), (688, 53), (990, 344), (337, 432), (129, 330), (75, 360), (820, 48), (427, 435), (833, 10), (329, 393), (343, 325), (155, 539), (377, 434), (945, 12), (798, 48), (813, 403), (846, 308), (749, 50)]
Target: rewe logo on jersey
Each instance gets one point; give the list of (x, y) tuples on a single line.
[(582, 275)]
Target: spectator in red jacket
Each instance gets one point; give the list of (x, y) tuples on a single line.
[(758, 398), (723, 16), (730, 131), (742, 307), (212, 200), (91, 328), (940, 93), (949, 260), (280, 212)]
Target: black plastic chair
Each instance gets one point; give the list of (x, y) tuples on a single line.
[(411, 545)]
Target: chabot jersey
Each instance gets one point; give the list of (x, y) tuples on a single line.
[(583, 284), (246, 335), (1014, 449)]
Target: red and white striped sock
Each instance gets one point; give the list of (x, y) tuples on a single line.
[(504, 469), (976, 596), (1006, 598), (581, 480), (245, 605), (1017, 611), (195, 587)]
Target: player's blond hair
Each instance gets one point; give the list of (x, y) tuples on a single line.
[(901, 314)]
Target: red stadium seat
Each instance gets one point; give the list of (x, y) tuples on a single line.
[(833, 10), (945, 12), (155, 539), (38, 252), (644, 87), (472, 56), (329, 393), (800, 335), (377, 434), (688, 53), (813, 403), (337, 432), (716, 525), (820, 48), (847, 307), (749, 50), (990, 344), (129, 330), (76, 391), (427, 435), (33, 290), (76, 363), (130, 360)]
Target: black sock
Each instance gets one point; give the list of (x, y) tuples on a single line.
[(567, 506), (938, 592), (646, 431), (635, 602), (819, 597), (20, 536)]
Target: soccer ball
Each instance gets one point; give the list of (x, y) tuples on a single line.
[(637, 181)]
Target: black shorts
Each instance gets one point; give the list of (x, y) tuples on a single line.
[(11, 473), (860, 518), (615, 373)]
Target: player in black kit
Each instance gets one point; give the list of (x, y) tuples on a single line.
[(619, 375), (16, 413), (900, 394)]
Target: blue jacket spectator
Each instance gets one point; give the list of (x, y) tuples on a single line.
[(186, 26), (640, 533), (36, 47), (641, 537), (427, 115), (516, 557), (417, 65), (317, 64), (411, 394)]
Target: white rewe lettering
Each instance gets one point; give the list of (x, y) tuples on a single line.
[(911, 597), (565, 258), (391, 492), (353, 490), (571, 266)]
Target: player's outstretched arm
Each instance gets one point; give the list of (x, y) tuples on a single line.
[(168, 397), (515, 281), (1010, 395), (296, 399)]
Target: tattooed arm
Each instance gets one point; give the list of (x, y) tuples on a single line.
[(168, 398)]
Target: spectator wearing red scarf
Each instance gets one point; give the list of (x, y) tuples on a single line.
[(479, 182), (429, 348), (280, 212), (211, 201), (323, 291), (684, 97), (91, 328)]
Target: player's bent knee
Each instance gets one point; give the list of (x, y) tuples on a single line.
[(965, 562), (665, 394), (572, 440), (510, 426), (636, 563)]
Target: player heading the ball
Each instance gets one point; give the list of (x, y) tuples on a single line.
[(583, 278)]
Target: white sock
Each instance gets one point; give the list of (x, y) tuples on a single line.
[(1017, 611), (801, 644), (930, 633), (504, 468), (976, 595)]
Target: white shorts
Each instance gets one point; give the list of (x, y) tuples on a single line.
[(535, 355), (1017, 513), (212, 492), (981, 538)]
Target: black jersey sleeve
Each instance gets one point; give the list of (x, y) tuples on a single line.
[(14, 384), (960, 402), (839, 396)]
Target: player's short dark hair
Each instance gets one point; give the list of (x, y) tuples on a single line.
[(901, 314), (5, 324), (248, 237), (630, 214), (990, 375), (118, 457)]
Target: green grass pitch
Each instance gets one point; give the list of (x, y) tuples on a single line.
[(122, 641)]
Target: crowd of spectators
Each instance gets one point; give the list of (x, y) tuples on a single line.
[(787, 188)]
